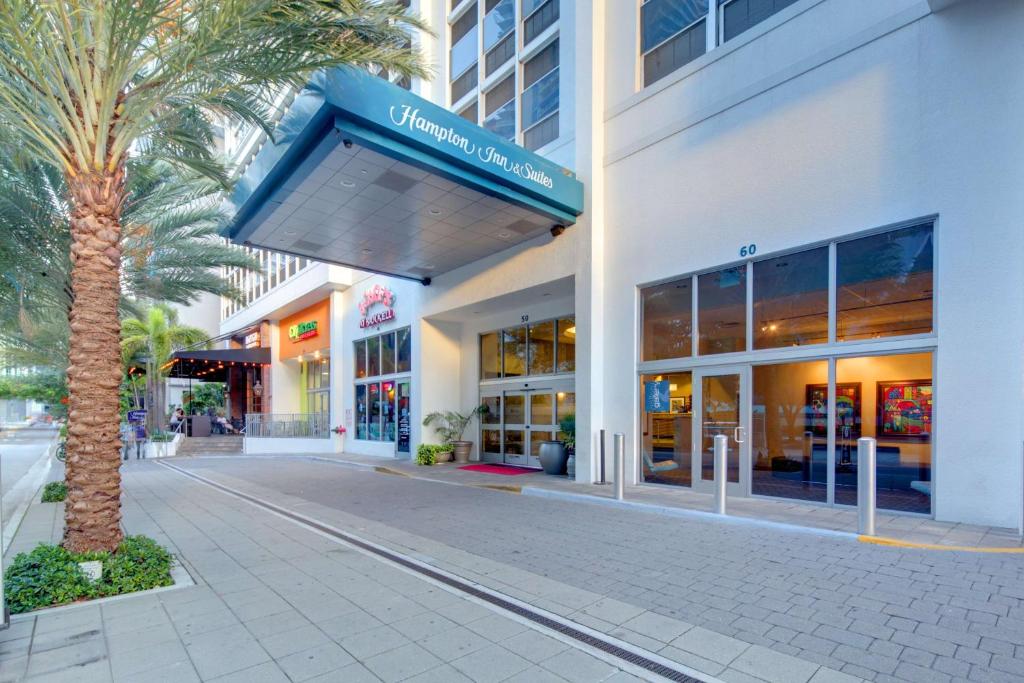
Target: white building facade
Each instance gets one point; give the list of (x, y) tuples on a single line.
[(800, 225)]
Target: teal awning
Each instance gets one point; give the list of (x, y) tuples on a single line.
[(365, 174)]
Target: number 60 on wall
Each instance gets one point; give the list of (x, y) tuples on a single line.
[(748, 250)]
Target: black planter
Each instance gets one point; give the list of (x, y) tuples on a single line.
[(553, 457)]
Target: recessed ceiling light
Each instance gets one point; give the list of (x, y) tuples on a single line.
[(363, 171), (347, 183), (290, 232), (504, 235), (434, 212), (367, 252)]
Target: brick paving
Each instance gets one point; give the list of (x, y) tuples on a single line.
[(878, 613)]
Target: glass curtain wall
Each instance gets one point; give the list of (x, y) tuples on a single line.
[(540, 348), (667, 428)]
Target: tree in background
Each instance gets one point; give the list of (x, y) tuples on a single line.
[(149, 341), (85, 85), (205, 396), (47, 387)]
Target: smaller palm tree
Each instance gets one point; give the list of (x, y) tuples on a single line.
[(150, 340)]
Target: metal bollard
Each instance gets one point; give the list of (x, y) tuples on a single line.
[(866, 480), (620, 465), (721, 471), (600, 468)]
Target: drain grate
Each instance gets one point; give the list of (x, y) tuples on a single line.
[(461, 586)]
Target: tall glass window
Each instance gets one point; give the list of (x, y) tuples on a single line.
[(791, 299), (722, 311), (789, 438), (667, 428), (404, 350), (668, 320), (500, 109), (360, 354), (885, 284), (542, 348), (540, 97), (891, 399), (490, 356), (387, 353), (673, 33), (566, 350), (463, 54), (373, 356), (362, 412), (514, 351)]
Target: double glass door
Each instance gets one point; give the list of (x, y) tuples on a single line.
[(721, 407), (518, 421)]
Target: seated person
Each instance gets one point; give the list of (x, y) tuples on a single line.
[(223, 425)]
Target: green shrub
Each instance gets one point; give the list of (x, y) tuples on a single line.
[(161, 437), (427, 453), (50, 575), (55, 492)]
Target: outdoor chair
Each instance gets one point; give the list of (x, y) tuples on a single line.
[(662, 466)]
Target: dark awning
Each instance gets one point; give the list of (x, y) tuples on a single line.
[(212, 365), (365, 174)]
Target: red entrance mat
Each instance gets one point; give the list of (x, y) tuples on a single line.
[(499, 469)]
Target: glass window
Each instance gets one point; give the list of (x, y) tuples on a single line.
[(539, 17), (739, 15), (791, 300), (673, 33), (566, 352), (469, 113), (541, 64), (388, 419), (499, 54), (374, 399), (499, 22), (789, 445), (492, 416), (541, 133), (722, 311), (491, 441), (884, 284), (373, 356), (464, 42), (666, 412), (404, 350), (387, 353), (542, 408), (542, 348), (889, 398), (565, 404), (540, 100), (490, 356), (668, 320), (500, 109), (514, 351), (464, 84), (361, 358), (361, 412), (515, 409)]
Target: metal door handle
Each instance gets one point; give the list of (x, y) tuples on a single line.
[(736, 433)]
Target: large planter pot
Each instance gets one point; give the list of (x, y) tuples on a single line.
[(462, 450), (553, 457)]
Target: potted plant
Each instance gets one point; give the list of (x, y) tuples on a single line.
[(553, 457), (450, 426), (567, 425)]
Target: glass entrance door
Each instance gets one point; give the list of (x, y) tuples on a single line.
[(529, 418), (515, 438), (722, 406)]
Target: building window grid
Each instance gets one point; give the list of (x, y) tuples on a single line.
[(275, 269), (559, 365), (542, 14)]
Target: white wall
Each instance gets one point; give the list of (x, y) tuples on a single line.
[(846, 117)]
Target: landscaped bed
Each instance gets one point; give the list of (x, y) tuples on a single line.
[(50, 575)]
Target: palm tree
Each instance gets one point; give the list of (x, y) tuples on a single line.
[(87, 84), (170, 251), (149, 340)]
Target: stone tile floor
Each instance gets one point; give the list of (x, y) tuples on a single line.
[(694, 589)]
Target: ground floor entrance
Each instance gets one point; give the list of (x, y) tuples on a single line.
[(792, 427), (520, 416)]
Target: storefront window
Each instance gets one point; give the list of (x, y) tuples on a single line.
[(566, 351), (789, 441), (360, 353), (722, 311), (362, 412), (565, 404), (514, 351), (890, 399), (542, 348), (404, 350), (380, 404), (667, 428), (791, 299), (885, 284), (387, 353), (490, 356), (318, 386), (373, 356), (492, 416), (668, 320)]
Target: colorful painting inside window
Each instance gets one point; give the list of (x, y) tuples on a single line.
[(847, 409), (905, 409)]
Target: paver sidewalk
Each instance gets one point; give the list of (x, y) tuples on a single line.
[(274, 602)]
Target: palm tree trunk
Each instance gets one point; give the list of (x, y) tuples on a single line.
[(93, 509)]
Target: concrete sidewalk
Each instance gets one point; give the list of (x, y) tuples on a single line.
[(273, 602), (902, 528)]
